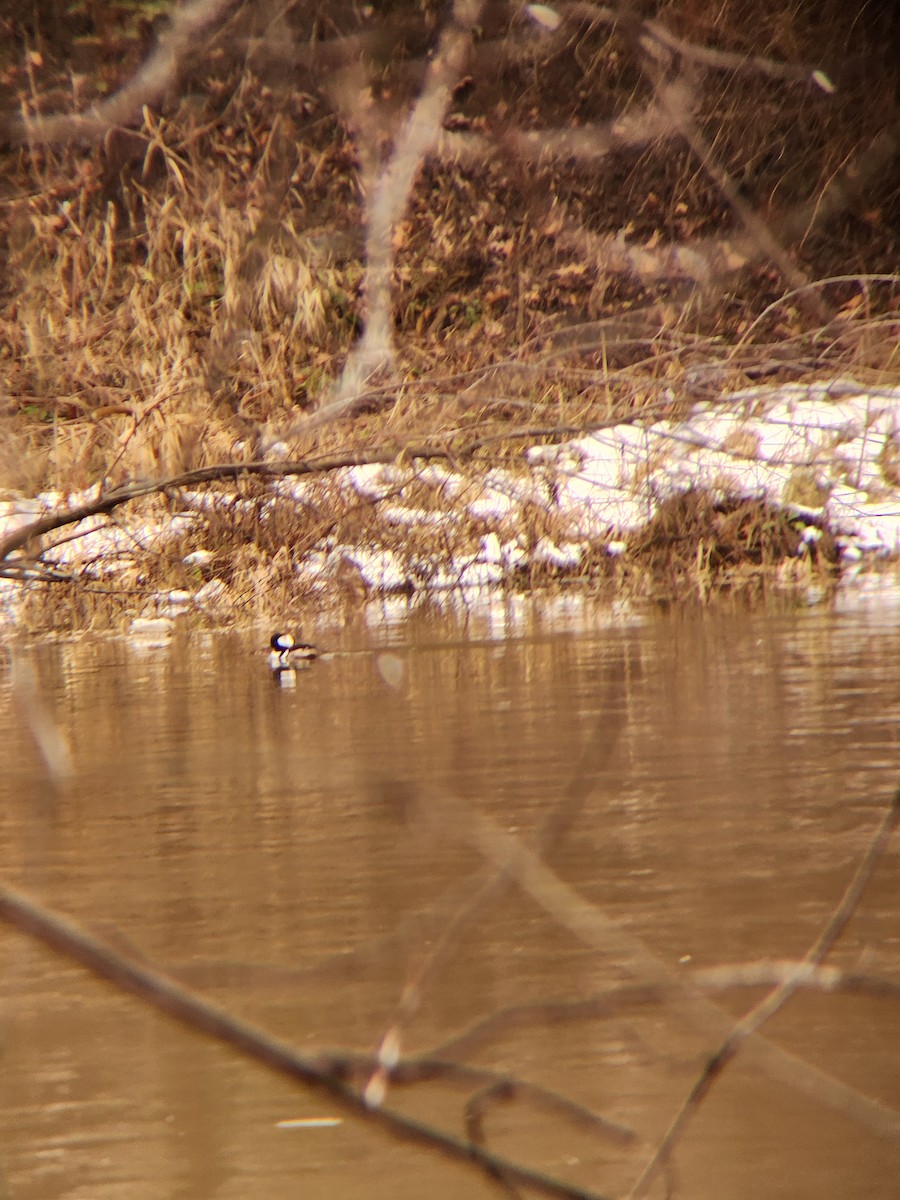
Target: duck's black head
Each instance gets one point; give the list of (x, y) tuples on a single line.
[(282, 642)]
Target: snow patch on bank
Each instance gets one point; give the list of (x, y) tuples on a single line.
[(828, 454), (842, 457)]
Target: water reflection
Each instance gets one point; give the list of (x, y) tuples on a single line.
[(290, 850)]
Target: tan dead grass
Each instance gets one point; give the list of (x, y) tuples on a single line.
[(697, 545), (179, 295)]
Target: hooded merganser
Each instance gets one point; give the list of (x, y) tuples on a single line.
[(287, 654)]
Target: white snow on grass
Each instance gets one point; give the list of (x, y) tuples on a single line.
[(614, 480), (379, 570), (829, 454)]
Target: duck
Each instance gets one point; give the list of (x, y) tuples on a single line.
[(287, 654)]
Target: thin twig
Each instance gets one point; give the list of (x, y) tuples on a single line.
[(601, 933), (630, 998), (598, 746), (775, 1000)]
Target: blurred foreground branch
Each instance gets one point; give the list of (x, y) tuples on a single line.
[(177, 1002), (191, 27), (598, 931)]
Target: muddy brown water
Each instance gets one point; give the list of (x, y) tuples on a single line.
[(295, 852)]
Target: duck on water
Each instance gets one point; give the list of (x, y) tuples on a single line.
[(287, 654)]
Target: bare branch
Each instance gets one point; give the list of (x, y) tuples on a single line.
[(777, 998), (190, 25), (160, 992), (48, 737), (107, 502), (416, 140), (597, 930), (631, 998), (651, 31)]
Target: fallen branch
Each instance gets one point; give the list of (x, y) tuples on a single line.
[(109, 501)]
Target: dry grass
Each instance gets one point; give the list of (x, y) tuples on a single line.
[(179, 295), (697, 546)]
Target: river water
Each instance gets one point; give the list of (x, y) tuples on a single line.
[(705, 782)]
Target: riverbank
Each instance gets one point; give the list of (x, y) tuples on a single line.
[(262, 351), (785, 490)]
